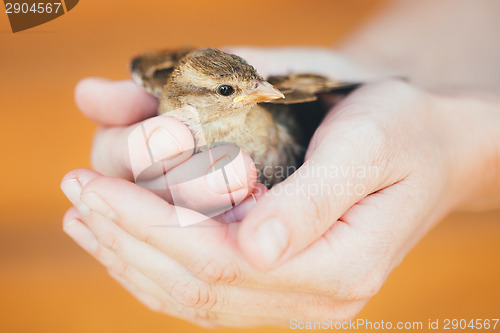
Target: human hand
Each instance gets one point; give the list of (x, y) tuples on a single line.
[(414, 175), (384, 145), (336, 274), (195, 273)]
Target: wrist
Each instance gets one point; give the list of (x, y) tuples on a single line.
[(470, 128)]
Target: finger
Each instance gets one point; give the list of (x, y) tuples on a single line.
[(237, 213), (227, 176), (148, 300), (74, 227), (210, 182), (74, 181), (259, 307), (145, 290), (183, 286), (143, 214), (207, 249), (151, 219), (220, 264), (114, 103), (142, 287), (145, 150), (198, 300), (347, 160), (287, 60)]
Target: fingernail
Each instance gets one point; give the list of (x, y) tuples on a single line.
[(72, 189), (94, 203), (222, 178), (272, 240), (81, 235), (163, 145)]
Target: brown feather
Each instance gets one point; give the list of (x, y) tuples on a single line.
[(151, 70), (269, 133)]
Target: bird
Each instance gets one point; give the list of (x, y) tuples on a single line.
[(221, 98)]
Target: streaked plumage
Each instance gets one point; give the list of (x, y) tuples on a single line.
[(228, 99)]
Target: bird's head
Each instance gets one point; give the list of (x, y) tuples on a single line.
[(217, 84)]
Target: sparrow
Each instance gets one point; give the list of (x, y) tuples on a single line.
[(222, 99)]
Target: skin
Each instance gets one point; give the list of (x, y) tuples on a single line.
[(423, 153)]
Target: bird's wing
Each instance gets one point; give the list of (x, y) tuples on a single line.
[(301, 88), (151, 70)]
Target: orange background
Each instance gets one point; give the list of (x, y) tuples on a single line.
[(47, 284)]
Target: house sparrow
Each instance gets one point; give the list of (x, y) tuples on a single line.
[(232, 103)]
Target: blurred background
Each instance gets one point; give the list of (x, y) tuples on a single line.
[(48, 284)]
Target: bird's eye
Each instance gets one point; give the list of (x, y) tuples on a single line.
[(225, 90)]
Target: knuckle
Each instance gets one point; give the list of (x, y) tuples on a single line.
[(214, 271), (194, 294), (102, 255), (120, 268), (109, 239), (114, 264), (376, 138), (376, 131), (370, 132), (125, 270)]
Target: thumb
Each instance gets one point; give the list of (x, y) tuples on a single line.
[(114, 103), (342, 167)]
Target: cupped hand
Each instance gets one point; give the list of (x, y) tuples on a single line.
[(377, 176), (384, 166), (197, 272)]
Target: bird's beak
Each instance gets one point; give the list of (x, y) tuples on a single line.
[(263, 91)]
